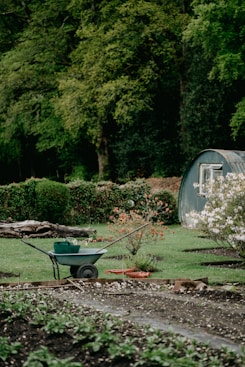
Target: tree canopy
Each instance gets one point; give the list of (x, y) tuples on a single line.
[(120, 88)]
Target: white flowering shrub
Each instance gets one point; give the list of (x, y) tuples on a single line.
[(223, 217)]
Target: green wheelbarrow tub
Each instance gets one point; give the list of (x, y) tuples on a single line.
[(84, 256)]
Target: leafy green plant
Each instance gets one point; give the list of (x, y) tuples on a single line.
[(58, 323), (14, 308), (104, 339), (84, 329), (42, 357), (143, 262), (126, 350), (7, 348)]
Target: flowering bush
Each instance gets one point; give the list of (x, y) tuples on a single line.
[(223, 216), (123, 222)]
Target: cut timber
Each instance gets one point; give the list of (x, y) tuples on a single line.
[(33, 228)]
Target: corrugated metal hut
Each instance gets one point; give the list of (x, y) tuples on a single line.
[(208, 164)]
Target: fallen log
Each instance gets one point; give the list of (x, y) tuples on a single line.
[(36, 229)]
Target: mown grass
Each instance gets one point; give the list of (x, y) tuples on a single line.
[(29, 264)]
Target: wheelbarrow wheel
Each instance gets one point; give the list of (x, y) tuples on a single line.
[(73, 270), (87, 271)]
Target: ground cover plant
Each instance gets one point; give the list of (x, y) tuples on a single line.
[(40, 329)]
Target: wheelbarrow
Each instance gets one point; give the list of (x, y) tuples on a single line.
[(81, 263)]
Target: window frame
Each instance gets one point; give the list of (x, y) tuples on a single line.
[(214, 170)]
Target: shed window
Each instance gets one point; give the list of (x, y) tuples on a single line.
[(207, 174)]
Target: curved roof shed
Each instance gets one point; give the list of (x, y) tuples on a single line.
[(208, 164)]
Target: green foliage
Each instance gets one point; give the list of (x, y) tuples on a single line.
[(104, 339), (42, 357), (217, 32), (13, 202), (78, 173), (126, 350), (237, 120), (28, 211), (201, 98), (120, 78), (57, 324), (7, 348), (154, 348), (79, 201), (52, 201), (164, 206), (82, 197), (4, 211), (218, 28), (143, 262), (93, 203), (139, 50), (29, 83)]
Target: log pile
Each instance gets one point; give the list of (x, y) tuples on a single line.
[(36, 229)]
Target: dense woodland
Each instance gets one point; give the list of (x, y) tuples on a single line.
[(118, 89)]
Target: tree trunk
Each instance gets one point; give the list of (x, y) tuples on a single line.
[(36, 229), (103, 156)]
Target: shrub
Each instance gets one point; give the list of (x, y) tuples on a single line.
[(143, 229), (143, 262), (164, 205), (223, 216), (81, 201), (52, 201), (82, 198)]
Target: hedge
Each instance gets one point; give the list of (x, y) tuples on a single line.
[(79, 202)]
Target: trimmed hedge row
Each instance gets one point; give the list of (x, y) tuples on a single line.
[(78, 202)]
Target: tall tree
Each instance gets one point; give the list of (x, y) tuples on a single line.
[(205, 107), (218, 28), (28, 82), (127, 54)]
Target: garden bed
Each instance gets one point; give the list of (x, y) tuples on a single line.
[(213, 315)]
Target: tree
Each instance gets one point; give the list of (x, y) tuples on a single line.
[(28, 83), (128, 53), (218, 28), (14, 18), (205, 107)]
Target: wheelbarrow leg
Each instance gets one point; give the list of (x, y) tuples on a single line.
[(56, 269)]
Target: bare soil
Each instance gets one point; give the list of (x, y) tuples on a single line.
[(214, 316), (165, 184)]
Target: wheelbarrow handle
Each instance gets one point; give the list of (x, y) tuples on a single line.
[(35, 247), (124, 236)]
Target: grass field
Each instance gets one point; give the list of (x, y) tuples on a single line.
[(29, 264)]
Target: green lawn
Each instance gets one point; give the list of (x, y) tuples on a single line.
[(29, 264)]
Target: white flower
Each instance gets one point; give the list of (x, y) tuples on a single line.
[(223, 215)]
